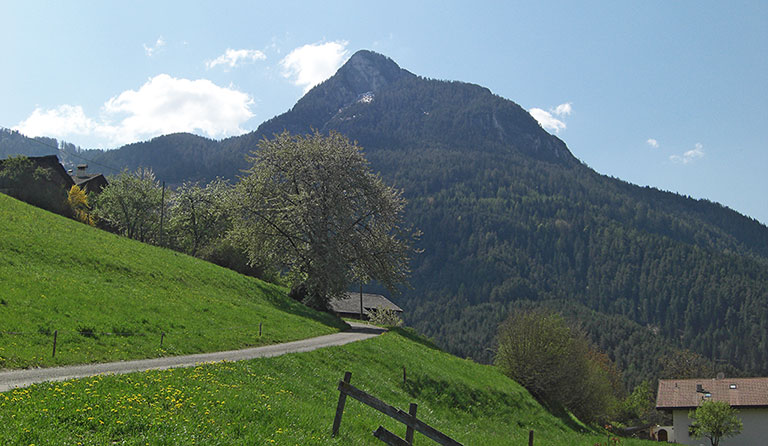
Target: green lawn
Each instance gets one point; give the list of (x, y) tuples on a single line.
[(60, 275), (289, 400)]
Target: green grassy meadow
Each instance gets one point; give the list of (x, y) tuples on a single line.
[(110, 298), (289, 400)]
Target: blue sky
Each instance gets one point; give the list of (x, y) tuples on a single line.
[(671, 94)]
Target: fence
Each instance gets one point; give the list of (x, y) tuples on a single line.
[(408, 419), (90, 333)]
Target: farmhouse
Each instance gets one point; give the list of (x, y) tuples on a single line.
[(353, 304), (40, 181), (58, 177), (748, 395)]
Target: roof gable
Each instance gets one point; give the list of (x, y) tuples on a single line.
[(91, 183), (51, 162)]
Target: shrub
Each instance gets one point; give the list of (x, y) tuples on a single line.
[(384, 316), (557, 365)]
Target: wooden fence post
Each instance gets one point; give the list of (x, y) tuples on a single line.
[(530, 437), (162, 337), (340, 406), (388, 437), (409, 429), (55, 335), (259, 329), (404, 375), (395, 413)]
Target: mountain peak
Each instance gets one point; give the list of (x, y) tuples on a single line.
[(369, 71), (364, 72)]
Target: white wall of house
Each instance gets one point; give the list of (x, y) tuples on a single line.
[(754, 432)]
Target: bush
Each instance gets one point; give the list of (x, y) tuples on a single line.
[(384, 316), (557, 365)]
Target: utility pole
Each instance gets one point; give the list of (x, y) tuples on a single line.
[(162, 215), (361, 301)]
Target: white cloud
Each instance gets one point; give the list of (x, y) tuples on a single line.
[(162, 105), (563, 109), (151, 50), (653, 143), (546, 120), (62, 120), (233, 58), (309, 65), (689, 156)]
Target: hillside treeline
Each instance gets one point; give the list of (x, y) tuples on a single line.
[(498, 231)]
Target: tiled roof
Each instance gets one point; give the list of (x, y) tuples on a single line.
[(351, 303), (738, 392), (91, 183), (80, 179)]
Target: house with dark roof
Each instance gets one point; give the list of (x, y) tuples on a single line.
[(90, 183), (359, 305), (38, 180), (748, 395), (59, 176)]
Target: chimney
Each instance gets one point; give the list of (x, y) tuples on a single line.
[(81, 170), (699, 388)]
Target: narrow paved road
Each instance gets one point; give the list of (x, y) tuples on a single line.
[(24, 378)]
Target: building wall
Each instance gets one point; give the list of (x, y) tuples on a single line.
[(754, 432), (670, 431)]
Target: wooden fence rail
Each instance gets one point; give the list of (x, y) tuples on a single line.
[(409, 419)]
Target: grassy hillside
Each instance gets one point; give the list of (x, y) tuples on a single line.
[(110, 298), (289, 400)]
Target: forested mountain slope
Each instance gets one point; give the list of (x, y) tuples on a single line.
[(509, 215)]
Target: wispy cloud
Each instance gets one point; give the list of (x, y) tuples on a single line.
[(151, 50), (689, 156), (563, 109), (311, 64), (162, 105), (548, 120), (653, 143), (233, 58)]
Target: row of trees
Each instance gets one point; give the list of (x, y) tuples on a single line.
[(309, 209), (188, 219)]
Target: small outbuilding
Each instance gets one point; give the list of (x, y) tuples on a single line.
[(748, 395), (663, 433), (359, 305), (90, 183)]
